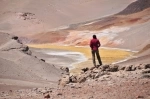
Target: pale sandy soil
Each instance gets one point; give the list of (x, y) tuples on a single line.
[(19, 68)]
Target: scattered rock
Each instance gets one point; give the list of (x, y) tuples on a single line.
[(121, 68), (146, 76), (66, 69), (72, 85), (113, 68), (26, 15), (95, 73), (81, 79), (142, 66), (46, 95), (85, 69), (24, 48), (140, 96), (43, 60), (59, 94), (147, 66), (146, 71), (133, 68), (128, 68), (64, 80), (15, 37), (73, 79), (104, 67)]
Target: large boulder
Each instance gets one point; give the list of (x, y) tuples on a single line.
[(65, 69), (147, 66), (104, 67), (85, 69), (73, 79), (64, 80), (128, 68), (113, 68), (121, 67), (81, 79)]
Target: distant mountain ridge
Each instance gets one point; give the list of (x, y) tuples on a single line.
[(135, 7)]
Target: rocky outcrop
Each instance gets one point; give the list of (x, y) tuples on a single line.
[(65, 69), (97, 72), (26, 16), (15, 44)]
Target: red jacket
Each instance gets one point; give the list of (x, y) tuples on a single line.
[(95, 44)]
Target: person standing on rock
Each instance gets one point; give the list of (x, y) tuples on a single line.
[(95, 44)]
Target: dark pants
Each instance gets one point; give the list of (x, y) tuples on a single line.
[(98, 57)]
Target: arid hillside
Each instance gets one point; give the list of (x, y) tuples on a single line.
[(20, 69), (119, 24), (128, 29), (116, 23), (35, 16), (142, 57)]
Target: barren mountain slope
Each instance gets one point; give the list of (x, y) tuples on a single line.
[(142, 57), (128, 29), (20, 69), (36, 24), (35, 16)]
